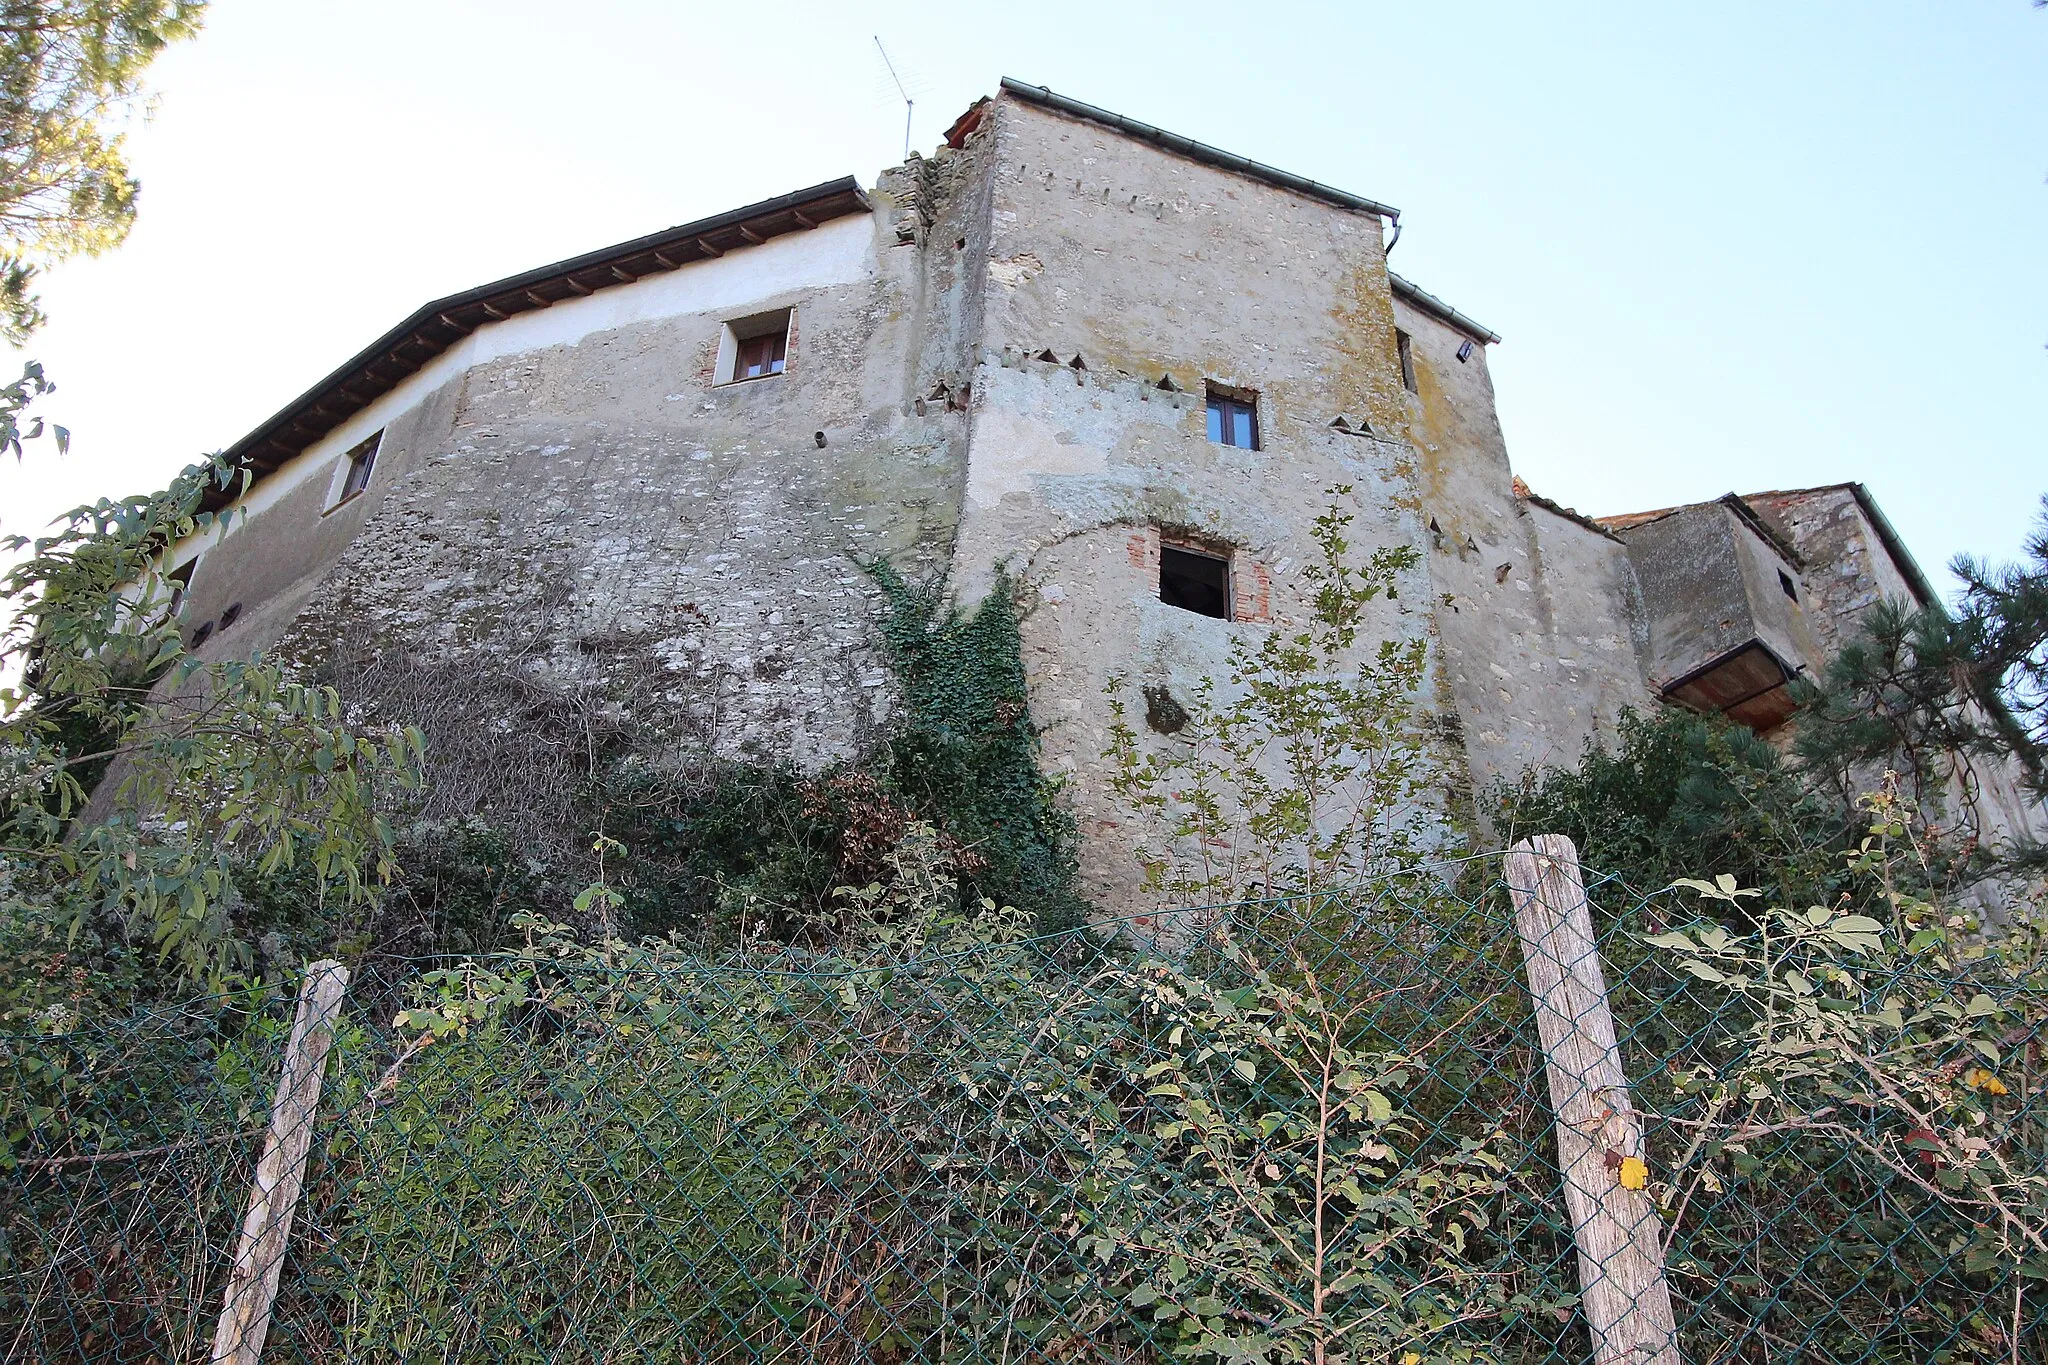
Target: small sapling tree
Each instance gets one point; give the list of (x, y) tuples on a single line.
[(1304, 770)]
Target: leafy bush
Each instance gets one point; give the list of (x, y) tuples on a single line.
[(1870, 1075), (1679, 793), (926, 1137)]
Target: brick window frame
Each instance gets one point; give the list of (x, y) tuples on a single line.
[(1251, 581)]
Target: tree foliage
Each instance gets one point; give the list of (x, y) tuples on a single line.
[(2004, 610), (1674, 792), (219, 768), (69, 70), (1935, 696)]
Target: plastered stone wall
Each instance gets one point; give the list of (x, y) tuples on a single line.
[(1847, 570), (1539, 616), (588, 541), (1589, 609), (1711, 584), (1143, 266)]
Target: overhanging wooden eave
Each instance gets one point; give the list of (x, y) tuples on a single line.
[(407, 348)]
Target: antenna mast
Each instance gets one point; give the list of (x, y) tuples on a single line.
[(908, 103)]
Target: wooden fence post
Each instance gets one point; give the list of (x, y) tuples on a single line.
[(273, 1197), (1620, 1237)]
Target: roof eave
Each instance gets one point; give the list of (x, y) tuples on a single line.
[(430, 330), (1441, 311)]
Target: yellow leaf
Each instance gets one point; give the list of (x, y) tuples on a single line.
[(1634, 1174), (1410, 1358), (1977, 1078)]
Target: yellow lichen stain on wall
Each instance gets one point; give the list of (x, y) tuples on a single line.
[(1436, 437), (1367, 380)]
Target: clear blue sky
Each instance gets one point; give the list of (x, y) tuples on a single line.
[(1731, 246)]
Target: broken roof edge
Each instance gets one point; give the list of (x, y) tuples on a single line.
[(1197, 151), (340, 394), (1747, 515), (1441, 311), (1521, 490)]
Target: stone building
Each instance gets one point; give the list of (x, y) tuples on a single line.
[(635, 486)]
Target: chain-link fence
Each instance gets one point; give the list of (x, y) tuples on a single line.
[(1311, 1129)]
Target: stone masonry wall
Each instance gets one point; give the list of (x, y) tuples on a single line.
[(598, 542), (574, 539), (1112, 266), (1539, 616)]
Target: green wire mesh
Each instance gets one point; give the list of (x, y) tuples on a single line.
[(1304, 1129)]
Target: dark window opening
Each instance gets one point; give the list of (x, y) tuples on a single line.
[(1787, 586), (1194, 581), (1404, 345), (180, 582), (762, 355), (361, 460), (1233, 421)]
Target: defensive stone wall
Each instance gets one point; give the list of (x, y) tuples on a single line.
[(575, 537)]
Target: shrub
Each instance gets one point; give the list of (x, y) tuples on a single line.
[(1677, 793)]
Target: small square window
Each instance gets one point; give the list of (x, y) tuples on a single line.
[(762, 355), (754, 348), (1233, 419), (1404, 345), (1194, 581), (361, 460)]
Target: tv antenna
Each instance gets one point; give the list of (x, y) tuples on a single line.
[(909, 104)]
